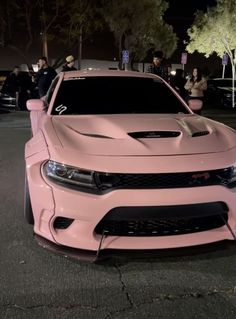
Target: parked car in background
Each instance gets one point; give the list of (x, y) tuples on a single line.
[(26, 90), (3, 75), (117, 160), (219, 92), (6, 101)]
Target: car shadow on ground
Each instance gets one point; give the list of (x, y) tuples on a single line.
[(207, 251)]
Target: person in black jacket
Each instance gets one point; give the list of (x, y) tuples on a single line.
[(44, 76), (69, 66), (157, 67)]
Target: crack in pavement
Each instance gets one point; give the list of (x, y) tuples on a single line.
[(52, 306), (159, 297), (169, 297), (124, 289)]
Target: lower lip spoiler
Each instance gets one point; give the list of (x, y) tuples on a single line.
[(79, 254), (96, 256)]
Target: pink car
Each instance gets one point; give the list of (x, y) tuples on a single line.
[(117, 160)]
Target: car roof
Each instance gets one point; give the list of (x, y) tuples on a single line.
[(110, 73)]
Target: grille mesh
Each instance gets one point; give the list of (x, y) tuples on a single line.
[(169, 220), (164, 180)]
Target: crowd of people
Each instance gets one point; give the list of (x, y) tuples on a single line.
[(25, 85), (191, 88)]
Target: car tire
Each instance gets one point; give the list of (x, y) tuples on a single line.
[(28, 212)]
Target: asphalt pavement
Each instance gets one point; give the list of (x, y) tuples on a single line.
[(189, 283)]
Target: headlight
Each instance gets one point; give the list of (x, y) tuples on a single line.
[(76, 178), (68, 175)]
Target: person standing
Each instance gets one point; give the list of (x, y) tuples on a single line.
[(11, 85), (44, 76), (69, 66), (157, 67), (196, 85)]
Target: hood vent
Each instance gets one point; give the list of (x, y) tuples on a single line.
[(95, 135), (200, 133), (154, 134)]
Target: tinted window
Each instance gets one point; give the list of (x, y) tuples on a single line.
[(115, 95)]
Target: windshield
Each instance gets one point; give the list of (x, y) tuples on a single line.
[(115, 95)]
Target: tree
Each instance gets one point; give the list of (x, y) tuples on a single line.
[(7, 20), (82, 18), (138, 26), (214, 31), (13, 13), (22, 22), (44, 20), (19, 26), (7, 8), (50, 14)]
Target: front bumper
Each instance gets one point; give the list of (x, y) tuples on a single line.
[(87, 210)]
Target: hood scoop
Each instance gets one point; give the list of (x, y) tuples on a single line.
[(202, 133), (154, 134)]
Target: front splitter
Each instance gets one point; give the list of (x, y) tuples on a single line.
[(93, 257)]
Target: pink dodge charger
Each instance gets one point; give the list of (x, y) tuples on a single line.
[(117, 160)]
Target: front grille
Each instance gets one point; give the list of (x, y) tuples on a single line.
[(163, 180), (163, 220)]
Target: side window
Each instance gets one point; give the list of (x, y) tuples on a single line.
[(51, 90)]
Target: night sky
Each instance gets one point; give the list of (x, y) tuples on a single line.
[(187, 7), (180, 14)]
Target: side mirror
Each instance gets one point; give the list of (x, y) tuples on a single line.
[(35, 105), (195, 105)]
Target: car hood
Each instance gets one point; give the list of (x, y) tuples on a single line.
[(142, 135)]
